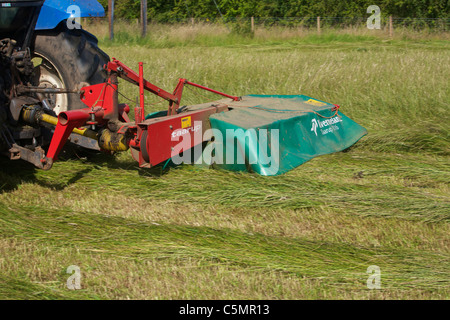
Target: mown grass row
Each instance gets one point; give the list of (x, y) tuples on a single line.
[(127, 240), (321, 244), (346, 182), (110, 220)]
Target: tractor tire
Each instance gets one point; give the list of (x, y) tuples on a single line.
[(69, 59)]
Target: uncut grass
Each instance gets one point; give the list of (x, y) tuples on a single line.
[(399, 94), (201, 34)]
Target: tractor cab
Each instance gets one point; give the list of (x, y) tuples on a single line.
[(17, 20)]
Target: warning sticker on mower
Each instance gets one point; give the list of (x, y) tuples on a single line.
[(185, 122), (315, 103)]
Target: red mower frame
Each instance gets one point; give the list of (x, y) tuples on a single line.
[(150, 140)]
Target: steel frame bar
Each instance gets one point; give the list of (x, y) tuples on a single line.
[(103, 109)]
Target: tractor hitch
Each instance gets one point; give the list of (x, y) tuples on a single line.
[(150, 140)]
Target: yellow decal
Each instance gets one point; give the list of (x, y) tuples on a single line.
[(185, 122), (315, 103)]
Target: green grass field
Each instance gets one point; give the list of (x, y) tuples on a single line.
[(191, 232)]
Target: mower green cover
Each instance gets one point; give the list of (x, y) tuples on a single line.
[(299, 128)]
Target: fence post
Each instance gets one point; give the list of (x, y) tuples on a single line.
[(318, 25), (144, 17), (252, 20), (192, 21), (391, 27), (111, 18)]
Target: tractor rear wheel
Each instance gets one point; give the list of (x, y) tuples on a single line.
[(68, 59)]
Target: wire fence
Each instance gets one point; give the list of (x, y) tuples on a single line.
[(251, 24), (436, 24), (440, 24)]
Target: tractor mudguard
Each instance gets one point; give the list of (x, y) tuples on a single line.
[(55, 11)]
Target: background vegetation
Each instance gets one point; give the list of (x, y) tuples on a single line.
[(163, 10)]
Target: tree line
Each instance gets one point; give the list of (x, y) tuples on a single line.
[(172, 10)]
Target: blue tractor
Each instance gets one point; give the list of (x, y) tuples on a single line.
[(67, 55), (45, 59)]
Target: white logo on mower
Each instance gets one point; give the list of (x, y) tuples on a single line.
[(330, 123), (314, 126), (182, 132)]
